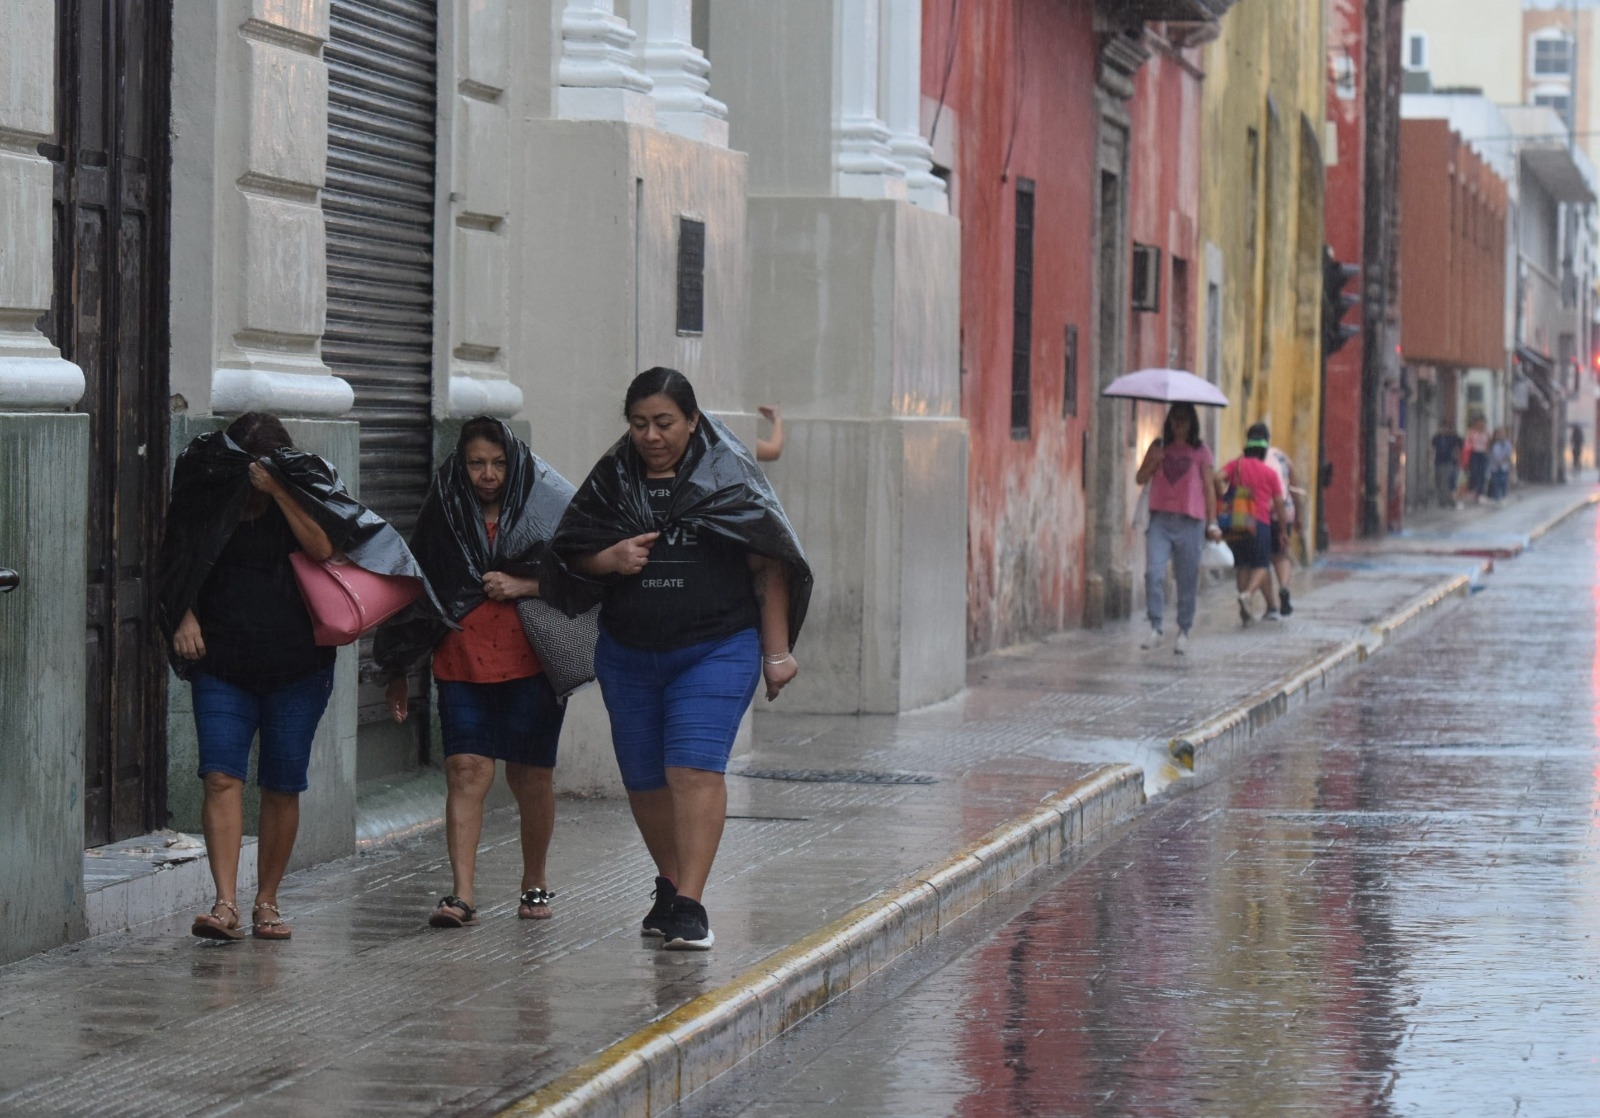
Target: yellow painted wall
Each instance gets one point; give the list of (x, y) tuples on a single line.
[(1261, 210)]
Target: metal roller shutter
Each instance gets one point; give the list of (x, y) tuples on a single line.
[(378, 205)]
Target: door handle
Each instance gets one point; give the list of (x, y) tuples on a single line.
[(9, 580)]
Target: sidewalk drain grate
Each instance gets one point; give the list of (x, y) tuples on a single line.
[(836, 776)]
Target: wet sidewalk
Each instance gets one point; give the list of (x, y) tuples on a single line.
[(368, 1010)]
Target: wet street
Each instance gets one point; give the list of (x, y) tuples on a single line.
[(1392, 909)]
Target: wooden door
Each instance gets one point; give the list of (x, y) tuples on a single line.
[(109, 316)]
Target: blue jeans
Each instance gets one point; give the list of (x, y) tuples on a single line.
[(1174, 538), (518, 720), (227, 718), (679, 708)]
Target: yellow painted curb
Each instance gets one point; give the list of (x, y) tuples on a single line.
[(667, 1060)]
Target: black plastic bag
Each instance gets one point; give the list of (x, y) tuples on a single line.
[(720, 489), (452, 545), (210, 485)]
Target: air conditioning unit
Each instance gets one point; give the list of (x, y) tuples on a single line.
[(1146, 278)]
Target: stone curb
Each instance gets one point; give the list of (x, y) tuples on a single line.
[(1225, 738), (1560, 518), (655, 1068)]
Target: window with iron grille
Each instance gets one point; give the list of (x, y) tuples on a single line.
[(1146, 278), (1022, 316), (691, 276)]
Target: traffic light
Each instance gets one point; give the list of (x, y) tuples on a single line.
[(1337, 302)]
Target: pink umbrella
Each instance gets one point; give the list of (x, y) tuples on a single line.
[(1166, 386)]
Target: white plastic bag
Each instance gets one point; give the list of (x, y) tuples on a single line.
[(1216, 556)]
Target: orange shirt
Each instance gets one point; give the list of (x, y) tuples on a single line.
[(489, 648)]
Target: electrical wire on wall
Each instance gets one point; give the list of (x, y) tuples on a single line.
[(949, 64), (1017, 59)]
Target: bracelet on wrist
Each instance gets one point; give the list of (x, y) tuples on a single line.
[(776, 660)]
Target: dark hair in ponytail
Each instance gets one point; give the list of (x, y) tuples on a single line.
[(662, 381)]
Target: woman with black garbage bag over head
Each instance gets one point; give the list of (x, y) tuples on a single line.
[(243, 502), (704, 589), (480, 536)]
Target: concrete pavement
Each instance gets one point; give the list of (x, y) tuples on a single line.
[(849, 839)]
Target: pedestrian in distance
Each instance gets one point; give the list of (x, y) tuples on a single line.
[(703, 588), (1178, 468), (1446, 464), (1500, 457), (1283, 534), (243, 502), (1577, 450), (1478, 458), (481, 534), (1254, 497)]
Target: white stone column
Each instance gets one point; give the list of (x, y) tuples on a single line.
[(33, 375), (597, 75), (863, 164), (263, 160), (678, 70), (479, 165), (900, 97)]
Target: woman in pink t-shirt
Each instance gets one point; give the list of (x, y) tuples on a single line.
[(1183, 511)]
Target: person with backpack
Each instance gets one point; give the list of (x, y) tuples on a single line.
[(1252, 500)]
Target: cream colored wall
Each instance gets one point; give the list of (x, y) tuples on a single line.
[(1473, 43)]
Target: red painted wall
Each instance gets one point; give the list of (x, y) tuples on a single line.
[(1020, 98), (1344, 223)]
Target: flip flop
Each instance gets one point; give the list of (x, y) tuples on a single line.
[(208, 925), (443, 918), (269, 929)]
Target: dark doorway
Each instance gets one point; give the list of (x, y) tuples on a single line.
[(109, 316)]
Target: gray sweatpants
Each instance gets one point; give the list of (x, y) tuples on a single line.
[(1176, 538)]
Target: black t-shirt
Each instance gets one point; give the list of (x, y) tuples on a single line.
[(252, 618), (1446, 449), (696, 587)]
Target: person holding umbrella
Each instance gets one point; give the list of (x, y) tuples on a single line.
[(1183, 513), (1183, 501)]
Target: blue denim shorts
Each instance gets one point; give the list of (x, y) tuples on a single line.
[(227, 719), (678, 709), (518, 720)]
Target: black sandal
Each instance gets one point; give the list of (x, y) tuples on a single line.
[(537, 901), (443, 918)]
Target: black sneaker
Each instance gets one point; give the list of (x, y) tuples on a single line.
[(655, 921), (688, 928), (1283, 603)]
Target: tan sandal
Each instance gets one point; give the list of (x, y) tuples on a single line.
[(268, 929), (208, 925)]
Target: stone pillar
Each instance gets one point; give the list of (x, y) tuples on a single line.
[(477, 135), (900, 95), (44, 456), (854, 331), (596, 73), (249, 263), (678, 70), (863, 163)]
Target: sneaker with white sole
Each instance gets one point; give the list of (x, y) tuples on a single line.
[(656, 920), (1245, 616), (1272, 615), (1180, 647), (1152, 639), (688, 928)]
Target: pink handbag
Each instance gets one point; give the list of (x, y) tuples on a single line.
[(345, 600)]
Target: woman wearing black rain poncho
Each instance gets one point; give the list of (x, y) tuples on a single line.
[(704, 588), (243, 501), (481, 533)]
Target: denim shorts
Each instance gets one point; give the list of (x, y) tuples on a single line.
[(678, 709), (518, 720), (227, 719), (1253, 552)]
